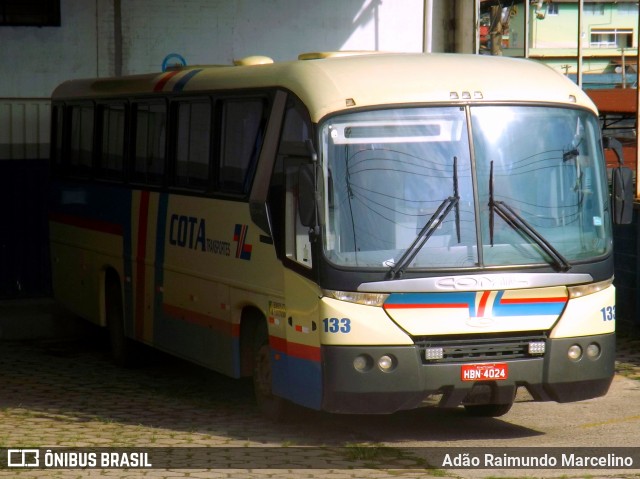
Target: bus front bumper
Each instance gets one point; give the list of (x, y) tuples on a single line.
[(413, 382)]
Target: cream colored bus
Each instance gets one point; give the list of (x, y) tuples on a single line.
[(362, 233)]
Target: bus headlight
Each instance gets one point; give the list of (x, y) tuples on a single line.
[(363, 363), (574, 352), (367, 299), (586, 289), (387, 363), (593, 351)]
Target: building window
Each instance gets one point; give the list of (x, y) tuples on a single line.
[(553, 9), (627, 8), (611, 38), (595, 9), (30, 13)]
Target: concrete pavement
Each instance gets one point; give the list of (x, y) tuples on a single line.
[(65, 393)]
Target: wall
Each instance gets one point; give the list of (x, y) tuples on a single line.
[(110, 37), (94, 39)]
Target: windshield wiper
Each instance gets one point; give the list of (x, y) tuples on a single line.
[(518, 223), (428, 229)]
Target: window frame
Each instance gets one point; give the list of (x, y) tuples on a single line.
[(169, 104)]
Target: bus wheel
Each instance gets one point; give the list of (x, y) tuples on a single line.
[(487, 410), (269, 405), (120, 344)]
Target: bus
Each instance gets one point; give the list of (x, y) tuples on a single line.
[(360, 233)]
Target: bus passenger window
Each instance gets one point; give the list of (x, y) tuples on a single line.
[(81, 146), (150, 137), (112, 150), (192, 144), (243, 132)]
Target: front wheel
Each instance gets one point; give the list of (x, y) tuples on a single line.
[(269, 404)]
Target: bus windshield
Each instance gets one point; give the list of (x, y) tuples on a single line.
[(464, 187)]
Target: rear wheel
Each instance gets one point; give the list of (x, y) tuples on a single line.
[(269, 404)]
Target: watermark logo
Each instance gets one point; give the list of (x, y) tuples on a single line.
[(23, 458)]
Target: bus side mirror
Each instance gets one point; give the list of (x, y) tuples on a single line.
[(306, 195), (621, 185), (622, 195)]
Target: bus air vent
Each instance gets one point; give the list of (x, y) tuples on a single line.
[(253, 60)]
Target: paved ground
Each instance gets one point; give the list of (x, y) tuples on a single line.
[(57, 393)]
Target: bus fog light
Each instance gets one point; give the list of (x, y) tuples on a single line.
[(537, 347), (574, 352), (363, 363), (386, 363), (431, 354), (593, 351)]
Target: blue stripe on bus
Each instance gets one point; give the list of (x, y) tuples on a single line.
[(296, 379), (528, 309), (180, 84), (445, 300)]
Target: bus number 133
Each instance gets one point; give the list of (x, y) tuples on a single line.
[(335, 325)]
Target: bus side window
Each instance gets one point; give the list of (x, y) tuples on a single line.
[(243, 124), (193, 144), (81, 140), (150, 141), (111, 159)]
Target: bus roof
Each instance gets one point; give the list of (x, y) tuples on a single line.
[(328, 83)]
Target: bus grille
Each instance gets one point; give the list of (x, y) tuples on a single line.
[(479, 348)]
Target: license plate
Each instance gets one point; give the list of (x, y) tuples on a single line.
[(484, 372)]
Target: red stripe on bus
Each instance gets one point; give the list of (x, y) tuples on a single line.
[(296, 350), (141, 253), (203, 320), (532, 300), (87, 223), (163, 81), (483, 303), (425, 306)]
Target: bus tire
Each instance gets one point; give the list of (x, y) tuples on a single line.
[(270, 405), (487, 410), (119, 344)]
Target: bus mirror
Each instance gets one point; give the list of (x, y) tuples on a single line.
[(622, 195), (306, 194), (610, 143)]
